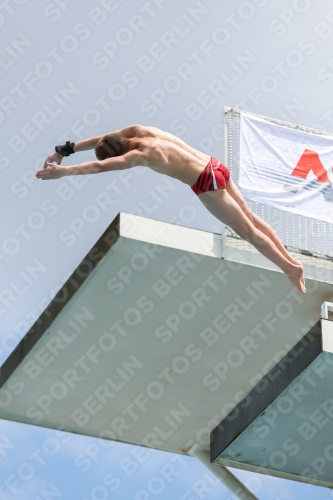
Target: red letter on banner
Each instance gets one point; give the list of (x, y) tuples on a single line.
[(310, 161)]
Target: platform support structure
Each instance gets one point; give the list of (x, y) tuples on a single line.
[(223, 474)]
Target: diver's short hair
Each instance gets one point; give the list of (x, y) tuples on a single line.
[(111, 145)]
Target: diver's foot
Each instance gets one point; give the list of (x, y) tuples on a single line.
[(296, 276)]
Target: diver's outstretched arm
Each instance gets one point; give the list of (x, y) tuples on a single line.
[(83, 145), (86, 144), (128, 160)]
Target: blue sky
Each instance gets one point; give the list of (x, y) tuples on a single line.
[(47, 464)]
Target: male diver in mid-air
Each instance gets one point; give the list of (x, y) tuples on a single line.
[(209, 179)]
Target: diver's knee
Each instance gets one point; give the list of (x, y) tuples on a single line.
[(246, 233), (249, 214)]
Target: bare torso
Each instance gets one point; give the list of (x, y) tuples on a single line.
[(167, 154)]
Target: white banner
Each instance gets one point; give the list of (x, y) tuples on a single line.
[(286, 168)]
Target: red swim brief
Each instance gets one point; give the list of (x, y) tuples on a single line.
[(214, 176)]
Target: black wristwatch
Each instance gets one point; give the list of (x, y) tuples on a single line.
[(65, 150)]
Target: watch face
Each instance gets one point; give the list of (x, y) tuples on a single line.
[(58, 150)]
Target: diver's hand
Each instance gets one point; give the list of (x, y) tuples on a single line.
[(51, 171), (54, 157)]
